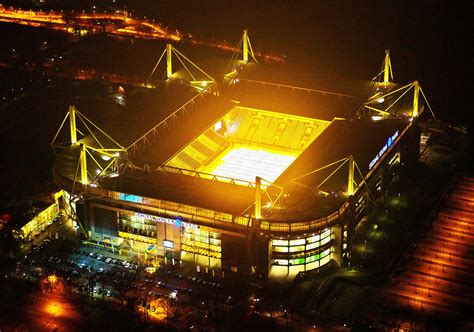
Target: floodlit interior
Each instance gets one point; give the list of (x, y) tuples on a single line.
[(248, 142), (245, 163)]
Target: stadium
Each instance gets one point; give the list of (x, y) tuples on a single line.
[(243, 166)]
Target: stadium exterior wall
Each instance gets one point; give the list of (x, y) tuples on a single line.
[(154, 229)]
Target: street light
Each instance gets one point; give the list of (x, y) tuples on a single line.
[(52, 281)]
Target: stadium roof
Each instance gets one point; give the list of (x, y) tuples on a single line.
[(340, 139), (261, 87)]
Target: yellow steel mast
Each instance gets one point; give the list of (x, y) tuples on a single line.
[(416, 95), (350, 177), (258, 197), (387, 71), (169, 65), (72, 122), (83, 164), (245, 47)]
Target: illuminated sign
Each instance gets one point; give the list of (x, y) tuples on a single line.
[(131, 198), (165, 220), (168, 244), (387, 145)]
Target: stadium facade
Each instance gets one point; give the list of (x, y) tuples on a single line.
[(257, 171)]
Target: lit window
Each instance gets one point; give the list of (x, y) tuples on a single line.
[(312, 245), (297, 242), (297, 261), (280, 249), (312, 239), (280, 262), (296, 248), (312, 258), (280, 242)]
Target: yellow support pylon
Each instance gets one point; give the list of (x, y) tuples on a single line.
[(72, 122), (83, 164), (245, 47), (350, 178), (169, 64), (387, 67), (258, 197), (416, 95)]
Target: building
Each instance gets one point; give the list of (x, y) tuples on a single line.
[(254, 172), (38, 217)]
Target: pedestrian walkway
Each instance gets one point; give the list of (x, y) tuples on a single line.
[(438, 276)]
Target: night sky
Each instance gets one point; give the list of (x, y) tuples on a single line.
[(429, 40)]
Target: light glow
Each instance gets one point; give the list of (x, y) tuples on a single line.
[(245, 163), (377, 117), (54, 308), (247, 143), (218, 125)]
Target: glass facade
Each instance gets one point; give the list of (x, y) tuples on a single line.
[(170, 237), (197, 242), (39, 222), (310, 252), (201, 242), (137, 225)]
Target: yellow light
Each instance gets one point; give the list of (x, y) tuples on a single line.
[(150, 269), (256, 143), (218, 125), (245, 163), (377, 117), (52, 279), (54, 308)]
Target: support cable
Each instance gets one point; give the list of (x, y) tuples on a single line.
[(427, 103), (184, 65), (156, 66), (202, 71)]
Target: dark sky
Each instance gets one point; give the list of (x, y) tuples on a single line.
[(430, 41)]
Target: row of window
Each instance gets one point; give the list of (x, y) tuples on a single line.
[(200, 251), (303, 260), (125, 224), (204, 215), (311, 239), (174, 208), (216, 248), (310, 246), (304, 244)]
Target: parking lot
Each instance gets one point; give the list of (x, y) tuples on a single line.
[(98, 275)]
